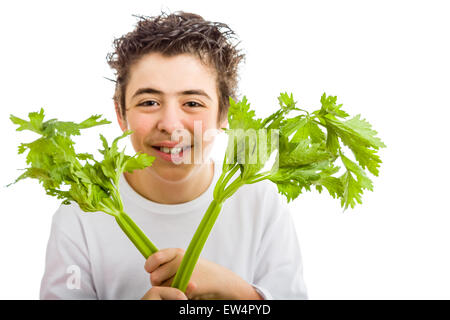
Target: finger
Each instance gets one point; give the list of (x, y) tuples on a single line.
[(190, 289), (164, 274), (168, 282), (168, 293), (151, 295), (192, 286), (158, 258), (164, 293)]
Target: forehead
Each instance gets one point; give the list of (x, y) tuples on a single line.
[(171, 74)]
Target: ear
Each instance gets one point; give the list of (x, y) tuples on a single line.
[(122, 122), (223, 123)]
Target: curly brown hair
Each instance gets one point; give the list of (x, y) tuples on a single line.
[(178, 33)]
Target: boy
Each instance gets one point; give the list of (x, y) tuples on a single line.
[(174, 76)]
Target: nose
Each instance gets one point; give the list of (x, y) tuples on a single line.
[(170, 119)]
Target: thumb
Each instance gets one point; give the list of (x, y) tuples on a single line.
[(190, 289)]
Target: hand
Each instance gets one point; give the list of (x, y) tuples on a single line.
[(164, 293), (209, 280)]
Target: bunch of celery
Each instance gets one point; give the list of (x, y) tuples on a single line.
[(93, 184), (305, 157)]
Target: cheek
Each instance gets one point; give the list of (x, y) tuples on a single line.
[(141, 127), (205, 121), (206, 130), (139, 124)]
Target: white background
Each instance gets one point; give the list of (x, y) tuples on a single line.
[(388, 60)]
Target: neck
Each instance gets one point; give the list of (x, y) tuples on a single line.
[(149, 185)]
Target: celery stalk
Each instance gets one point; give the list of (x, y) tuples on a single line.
[(192, 253), (198, 241), (135, 234)]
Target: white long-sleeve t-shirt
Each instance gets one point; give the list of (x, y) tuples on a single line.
[(89, 257)]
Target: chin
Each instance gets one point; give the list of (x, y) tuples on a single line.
[(173, 173)]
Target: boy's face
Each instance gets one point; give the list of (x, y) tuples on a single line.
[(172, 100)]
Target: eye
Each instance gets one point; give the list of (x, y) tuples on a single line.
[(193, 104), (148, 103)]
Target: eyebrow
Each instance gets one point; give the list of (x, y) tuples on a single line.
[(199, 92)]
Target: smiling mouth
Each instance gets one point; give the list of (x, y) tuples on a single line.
[(172, 151)]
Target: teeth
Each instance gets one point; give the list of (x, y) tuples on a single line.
[(171, 150)]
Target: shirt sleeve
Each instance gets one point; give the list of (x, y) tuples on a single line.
[(279, 268), (67, 272), (264, 293)]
